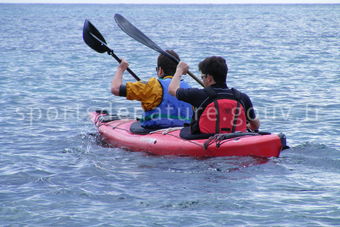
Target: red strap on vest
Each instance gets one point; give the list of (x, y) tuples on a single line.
[(237, 113), (217, 130)]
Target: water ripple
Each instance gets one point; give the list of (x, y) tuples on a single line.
[(55, 172)]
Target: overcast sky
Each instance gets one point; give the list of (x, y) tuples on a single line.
[(171, 1)]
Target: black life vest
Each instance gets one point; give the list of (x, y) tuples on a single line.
[(221, 112)]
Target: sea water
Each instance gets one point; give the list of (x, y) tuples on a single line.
[(53, 171)]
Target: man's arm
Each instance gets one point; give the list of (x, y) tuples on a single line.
[(118, 77), (182, 68), (253, 123)]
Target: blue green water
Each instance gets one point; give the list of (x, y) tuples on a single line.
[(53, 171)]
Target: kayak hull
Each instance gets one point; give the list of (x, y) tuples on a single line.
[(168, 142)]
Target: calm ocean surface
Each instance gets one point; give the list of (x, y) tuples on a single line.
[(53, 172)]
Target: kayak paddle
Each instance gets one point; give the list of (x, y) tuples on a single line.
[(96, 41), (139, 36)]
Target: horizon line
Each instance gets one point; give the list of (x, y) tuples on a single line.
[(177, 3), (171, 2)]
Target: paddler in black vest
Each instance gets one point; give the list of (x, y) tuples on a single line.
[(161, 110), (218, 109)]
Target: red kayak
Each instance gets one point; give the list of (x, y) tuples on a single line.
[(169, 142)]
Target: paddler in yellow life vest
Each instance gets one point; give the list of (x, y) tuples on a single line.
[(161, 110)]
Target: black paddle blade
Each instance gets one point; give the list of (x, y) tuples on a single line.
[(139, 36), (135, 33), (93, 38)]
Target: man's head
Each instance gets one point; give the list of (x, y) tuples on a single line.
[(166, 66), (216, 67)]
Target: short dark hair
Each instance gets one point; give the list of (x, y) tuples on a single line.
[(216, 67), (168, 65)]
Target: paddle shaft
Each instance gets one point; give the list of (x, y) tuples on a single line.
[(176, 61), (139, 36), (110, 52), (119, 60), (195, 78)]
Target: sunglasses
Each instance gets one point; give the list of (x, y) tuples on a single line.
[(203, 76)]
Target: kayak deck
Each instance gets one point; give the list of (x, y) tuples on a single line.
[(168, 141)]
